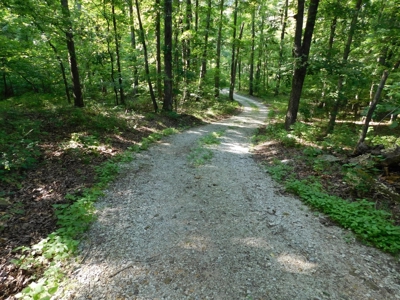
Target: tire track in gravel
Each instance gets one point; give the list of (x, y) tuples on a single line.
[(168, 230)]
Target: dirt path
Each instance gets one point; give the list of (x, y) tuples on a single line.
[(169, 230)]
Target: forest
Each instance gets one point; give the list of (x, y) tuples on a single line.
[(85, 82)]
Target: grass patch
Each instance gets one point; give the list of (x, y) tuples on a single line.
[(201, 154)]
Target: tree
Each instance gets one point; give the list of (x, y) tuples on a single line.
[(346, 52), (217, 75), (146, 58), (117, 52), (233, 60), (301, 51), (76, 84), (168, 100), (284, 18), (203, 69), (158, 49), (133, 46), (253, 36)]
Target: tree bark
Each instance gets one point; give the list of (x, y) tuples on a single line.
[(217, 76), (112, 71), (62, 71), (234, 42), (76, 85), (284, 23), (186, 44), (116, 40), (301, 51), (168, 95), (253, 36), (146, 59), (158, 50), (258, 77), (235, 64), (133, 45), (339, 100), (373, 105), (203, 69)]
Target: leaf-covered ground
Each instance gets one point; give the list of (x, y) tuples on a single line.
[(66, 162), (331, 175)]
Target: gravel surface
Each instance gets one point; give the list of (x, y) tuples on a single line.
[(170, 230)]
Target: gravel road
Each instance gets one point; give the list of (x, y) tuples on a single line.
[(170, 230)]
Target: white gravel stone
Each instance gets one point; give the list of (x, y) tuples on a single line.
[(168, 230)]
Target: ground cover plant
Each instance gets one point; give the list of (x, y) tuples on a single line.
[(200, 154), (355, 191), (55, 161)]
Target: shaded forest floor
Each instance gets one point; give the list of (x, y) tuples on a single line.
[(331, 176), (56, 151), (64, 149)]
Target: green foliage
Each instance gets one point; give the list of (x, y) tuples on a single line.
[(344, 137), (371, 225), (276, 131), (225, 107), (212, 138), (200, 154), (253, 106), (360, 176), (388, 141), (18, 143), (73, 219), (312, 152), (280, 171)]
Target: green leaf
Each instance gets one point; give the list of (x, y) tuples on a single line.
[(394, 125)]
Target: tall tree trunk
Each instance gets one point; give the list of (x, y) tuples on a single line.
[(260, 58), (146, 59), (168, 95), (177, 50), (339, 100), (196, 16), (186, 50), (110, 53), (133, 45), (8, 90), (301, 52), (330, 49), (158, 50), (373, 105), (240, 74), (284, 23), (76, 85), (253, 36), (62, 71), (217, 76), (203, 69), (116, 40), (235, 63), (234, 42), (186, 43)]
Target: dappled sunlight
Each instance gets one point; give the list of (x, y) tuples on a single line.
[(255, 242), (294, 263), (198, 243), (235, 148)]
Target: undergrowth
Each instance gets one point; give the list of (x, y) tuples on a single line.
[(19, 149), (371, 225), (73, 219), (201, 154)]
